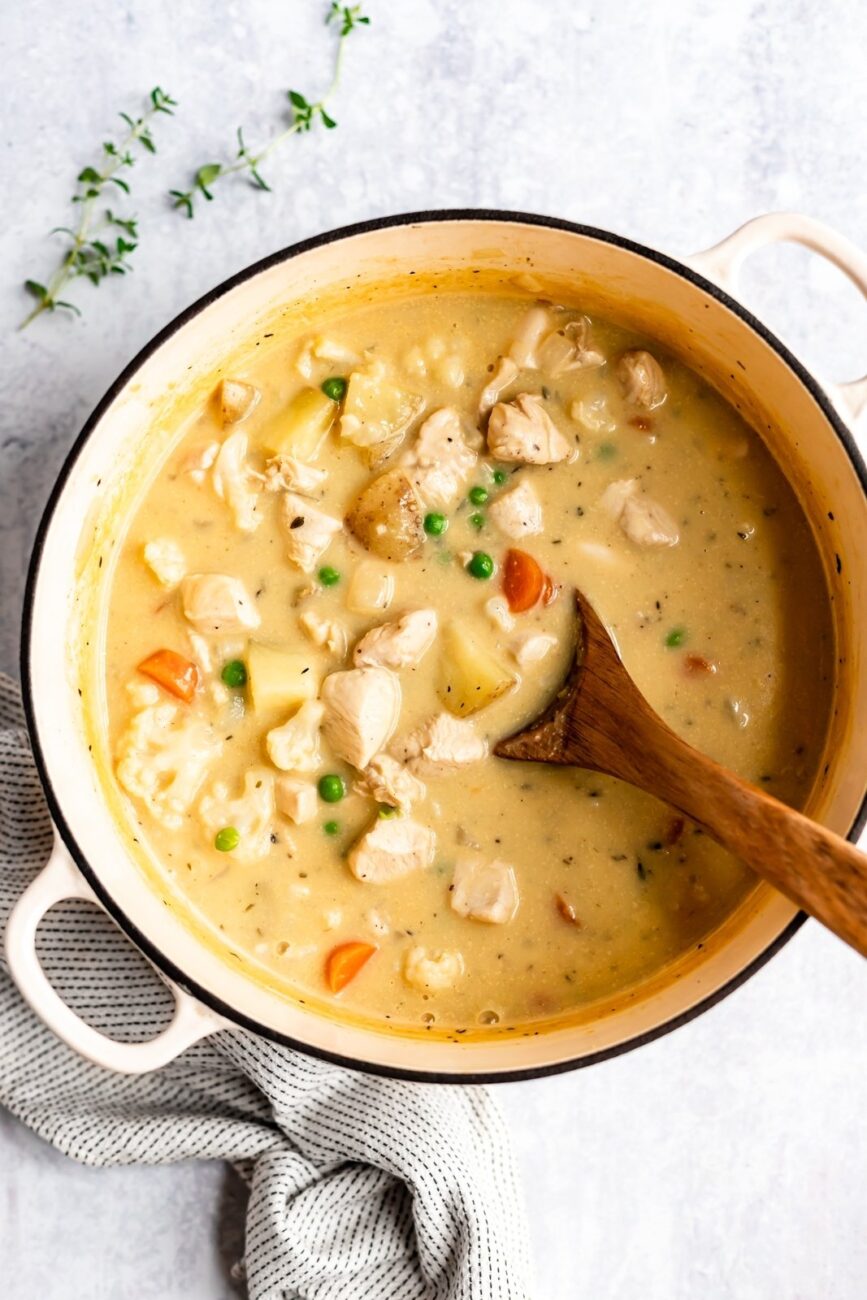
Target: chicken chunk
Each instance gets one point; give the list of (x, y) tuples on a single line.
[(286, 474), (531, 647), (398, 645), (506, 373), (251, 814), (308, 531), (497, 610), (296, 799), (165, 559), (216, 602), (532, 329), (568, 349), (432, 972), (523, 431), (362, 706), (377, 414), (518, 512), (325, 632), (294, 746), (443, 744), (440, 461), (644, 521), (236, 483), (484, 891), (389, 782), (642, 379), (164, 756), (393, 847), (237, 400)]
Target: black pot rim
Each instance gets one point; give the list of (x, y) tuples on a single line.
[(162, 962)]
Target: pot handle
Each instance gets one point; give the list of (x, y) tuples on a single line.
[(722, 264), (60, 879)]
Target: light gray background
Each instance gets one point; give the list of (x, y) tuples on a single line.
[(726, 1160)]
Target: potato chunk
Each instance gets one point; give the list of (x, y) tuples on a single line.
[(387, 517), (376, 415), (471, 676), (371, 588), (279, 679), (301, 429)]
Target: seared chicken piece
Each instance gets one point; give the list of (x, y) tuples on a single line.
[(518, 512), (251, 814), (443, 744), (388, 781), (392, 848), (216, 602), (286, 474), (237, 484), (642, 379), (362, 706), (294, 747), (296, 799), (431, 972), (440, 461), (398, 645), (484, 891), (325, 632), (308, 531), (569, 349), (523, 431), (644, 521), (506, 373), (237, 400), (165, 559)]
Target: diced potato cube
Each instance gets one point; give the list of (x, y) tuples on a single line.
[(280, 679), (371, 589), (376, 415), (301, 429), (471, 676), (387, 517)]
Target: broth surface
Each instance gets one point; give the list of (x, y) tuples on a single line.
[(726, 630)]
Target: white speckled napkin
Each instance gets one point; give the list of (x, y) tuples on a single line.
[(360, 1188)]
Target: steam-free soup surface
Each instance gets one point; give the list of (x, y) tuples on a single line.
[(447, 469)]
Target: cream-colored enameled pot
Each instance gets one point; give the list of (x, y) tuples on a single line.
[(688, 305)]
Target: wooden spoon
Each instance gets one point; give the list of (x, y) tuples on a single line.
[(600, 720)]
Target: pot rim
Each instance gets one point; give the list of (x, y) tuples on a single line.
[(129, 927)]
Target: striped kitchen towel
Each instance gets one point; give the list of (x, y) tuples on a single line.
[(361, 1188)]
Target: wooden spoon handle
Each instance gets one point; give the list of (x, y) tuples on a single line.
[(820, 871)]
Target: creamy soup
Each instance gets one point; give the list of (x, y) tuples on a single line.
[(352, 575)]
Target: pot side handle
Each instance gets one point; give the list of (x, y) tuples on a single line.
[(722, 264), (60, 879)]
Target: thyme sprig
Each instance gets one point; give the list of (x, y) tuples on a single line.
[(97, 248), (305, 115)]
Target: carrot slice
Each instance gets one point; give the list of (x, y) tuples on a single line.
[(345, 961), (523, 581), (177, 675)]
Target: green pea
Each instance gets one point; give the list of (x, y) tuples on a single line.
[(335, 388), (331, 828), (481, 565), (234, 673), (478, 496), (227, 839), (386, 811), (332, 788), (435, 524), (477, 520), (328, 576), (675, 637), (500, 477)]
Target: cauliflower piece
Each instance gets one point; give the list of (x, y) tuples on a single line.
[(165, 559), (642, 379), (442, 745), (309, 531), (237, 400), (432, 972), (398, 645), (237, 484), (326, 632), (163, 757), (533, 326), (388, 781), (392, 848), (518, 512), (294, 747), (286, 474), (216, 602), (251, 814), (362, 706), (296, 799), (440, 461), (644, 521), (497, 610), (522, 430), (484, 891), (531, 647), (506, 373)]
